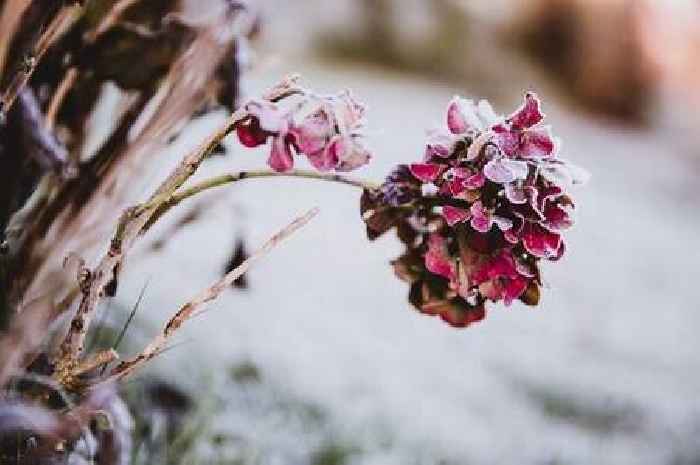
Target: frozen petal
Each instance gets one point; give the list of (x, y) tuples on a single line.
[(314, 132), (556, 218), (507, 140), (270, 118), (456, 121), (498, 172), (504, 224), (437, 260), (475, 181), (462, 116), (281, 159), (439, 146), (349, 152), (426, 172), (528, 115), (250, 134), (537, 143), (454, 215), (540, 242), (486, 114), (481, 218), (519, 169)]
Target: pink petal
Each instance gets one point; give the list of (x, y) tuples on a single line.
[(507, 140), (350, 153), (426, 172), (528, 115), (537, 143), (476, 181), (439, 146), (281, 159), (454, 215), (271, 119), (556, 218), (323, 160), (540, 242), (313, 134), (456, 120), (498, 172), (481, 218), (437, 260)]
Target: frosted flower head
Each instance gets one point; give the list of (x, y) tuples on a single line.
[(498, 205), (326, 129)]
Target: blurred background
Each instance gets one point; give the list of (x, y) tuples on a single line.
[(322, 361)]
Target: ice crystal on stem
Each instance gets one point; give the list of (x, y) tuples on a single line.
[(487, 203), (326, 129)]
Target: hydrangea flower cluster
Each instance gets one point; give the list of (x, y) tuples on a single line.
[(326, 129), (488, 202)]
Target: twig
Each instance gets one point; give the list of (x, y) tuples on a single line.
[(132, 223), (109, 20), (96, 361), (59, 96), (199, 303), (224, 179), (20, 79)]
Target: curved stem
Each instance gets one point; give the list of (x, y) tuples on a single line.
[(174, 199)]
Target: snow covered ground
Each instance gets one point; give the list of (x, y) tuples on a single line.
[(606, 371)]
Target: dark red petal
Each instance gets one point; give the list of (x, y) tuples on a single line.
[(426, 172), (250, 135), (536, 143), (454, 215), (540, 242), (528, 115)]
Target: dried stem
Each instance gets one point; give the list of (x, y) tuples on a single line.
[(110, 19), (133, 222), (96, 361), (20, 79), (199, 303), (59, 96)]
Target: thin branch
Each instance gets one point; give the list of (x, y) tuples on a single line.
[(230, 178), (199, 303), (99, 359), (132, 223), (58, 24), (109, 20), (59, 96)]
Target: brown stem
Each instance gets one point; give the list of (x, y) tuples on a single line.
[(20, 79), (133, 221), (199, 303)]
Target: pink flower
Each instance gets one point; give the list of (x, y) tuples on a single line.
[(481, 171), (327, 130)]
